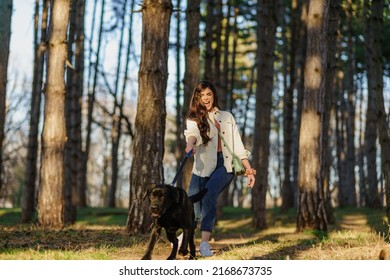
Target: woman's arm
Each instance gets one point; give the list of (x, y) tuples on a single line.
[(191, 141), (192, 135), (250, 172)]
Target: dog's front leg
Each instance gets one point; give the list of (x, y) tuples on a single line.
[(184, 244), (153, 239), (171, 235)]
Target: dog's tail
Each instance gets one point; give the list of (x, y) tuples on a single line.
[(198, 196)]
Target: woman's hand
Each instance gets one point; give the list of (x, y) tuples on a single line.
[(191, 145), (251, 181), (189, 148), (250, 172)]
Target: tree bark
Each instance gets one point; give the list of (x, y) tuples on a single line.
[(74, 197), (371, 133), (225, 96), (347, 191), (312, 202), (40, 35), (148, 144), (266, 20), (331, 33), (191, 72), (179, 147), (288, 194), (217, 34), (376, 59), (209, 29), (300, 87), (5, 38), (51, 203)]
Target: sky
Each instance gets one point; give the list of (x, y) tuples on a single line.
[(21, 47), (21, 58)]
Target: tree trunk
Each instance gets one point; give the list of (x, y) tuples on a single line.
[(223, 199), (371, 134), (209, 31), (81, 198), (300, 87), (331, 34), (312, 202), (179, 147), (216, 78), (5, 38), (148, 144), (350, 122), (229, 97), (376, 59), (266, 20), (28, 197), (191, 72), (75, 80), (288, 109), (347, 191), (51, 204), (225, 96)]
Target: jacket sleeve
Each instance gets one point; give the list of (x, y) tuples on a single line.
[(193, 130)]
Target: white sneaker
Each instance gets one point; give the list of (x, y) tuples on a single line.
[(205, 249)]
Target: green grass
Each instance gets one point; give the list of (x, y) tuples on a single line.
[(99, 234), (9, 217), (102, 216)]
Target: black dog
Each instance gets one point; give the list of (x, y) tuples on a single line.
[(172, 209)]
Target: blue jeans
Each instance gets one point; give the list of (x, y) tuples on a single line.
[(206, 209)]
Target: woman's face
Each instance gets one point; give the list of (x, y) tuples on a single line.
[(207, 98)]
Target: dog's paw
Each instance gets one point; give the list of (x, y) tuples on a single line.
[(183, 252)]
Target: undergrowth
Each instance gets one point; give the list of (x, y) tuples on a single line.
[(99, 234)]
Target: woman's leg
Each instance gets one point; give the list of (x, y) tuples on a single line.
[(206, 236), (196, 185), (218, 181)]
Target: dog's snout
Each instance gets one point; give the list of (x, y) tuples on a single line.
[(155, 210)]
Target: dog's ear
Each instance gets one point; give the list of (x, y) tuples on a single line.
[(150, 188)]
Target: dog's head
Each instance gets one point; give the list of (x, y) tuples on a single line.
[(161, 197)]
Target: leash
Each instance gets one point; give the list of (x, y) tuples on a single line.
[(181, 167)]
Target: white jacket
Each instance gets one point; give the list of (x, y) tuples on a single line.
[(205, 158)]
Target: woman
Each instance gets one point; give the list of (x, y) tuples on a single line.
[(212, 160)]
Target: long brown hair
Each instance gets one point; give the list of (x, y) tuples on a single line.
[(198, 111)]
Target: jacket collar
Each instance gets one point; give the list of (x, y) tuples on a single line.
[(214, 114)]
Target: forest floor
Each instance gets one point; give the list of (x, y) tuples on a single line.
[(99, 234)]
